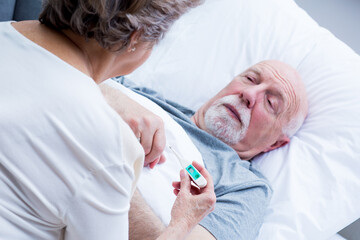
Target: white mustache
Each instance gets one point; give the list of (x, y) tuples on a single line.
[(243, 112), (224, 127)]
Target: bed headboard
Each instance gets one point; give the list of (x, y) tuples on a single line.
[(19, 10)]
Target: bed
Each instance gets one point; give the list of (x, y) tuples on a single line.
[(315, 178)]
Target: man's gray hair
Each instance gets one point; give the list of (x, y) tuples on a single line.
[(295, 122), (112, 22), (293, 125)]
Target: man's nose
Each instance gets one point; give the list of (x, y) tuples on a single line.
[(249, 97)]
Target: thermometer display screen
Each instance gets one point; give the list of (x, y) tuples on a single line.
[(193, 172)]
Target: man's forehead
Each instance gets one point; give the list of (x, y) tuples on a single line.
[(270, 67), (275, 71)]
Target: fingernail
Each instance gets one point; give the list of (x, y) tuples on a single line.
[(182, 173)]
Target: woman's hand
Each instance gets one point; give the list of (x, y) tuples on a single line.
[(192, 204), (147, 127)]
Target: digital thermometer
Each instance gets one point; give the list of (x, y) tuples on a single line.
[(191, 170)]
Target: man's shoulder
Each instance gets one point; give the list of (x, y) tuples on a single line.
[(235, 175), (177, 110), (243, 195)]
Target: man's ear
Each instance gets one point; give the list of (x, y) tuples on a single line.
[(282, 141)]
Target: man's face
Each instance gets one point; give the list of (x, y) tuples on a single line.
[(250, 112)]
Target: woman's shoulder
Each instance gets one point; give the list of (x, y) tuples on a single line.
[(52, 41)]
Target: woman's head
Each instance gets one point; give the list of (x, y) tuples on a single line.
[(112, 22)]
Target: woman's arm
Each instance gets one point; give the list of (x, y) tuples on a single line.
[(147, 127), (190, 207)]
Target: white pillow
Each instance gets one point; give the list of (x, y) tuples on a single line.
[(316, 177)]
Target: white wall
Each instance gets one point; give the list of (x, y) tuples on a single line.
[(341, 17)]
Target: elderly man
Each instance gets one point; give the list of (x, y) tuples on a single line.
[(258, 111)]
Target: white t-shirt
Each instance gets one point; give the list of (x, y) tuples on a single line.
[(68, 162)]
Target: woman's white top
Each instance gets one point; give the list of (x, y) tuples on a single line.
[(68, 162)]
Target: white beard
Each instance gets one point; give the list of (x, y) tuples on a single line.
[(223, 126)]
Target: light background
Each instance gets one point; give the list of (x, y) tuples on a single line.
[(342, 18)]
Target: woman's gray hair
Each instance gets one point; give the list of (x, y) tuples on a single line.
[(112, 22)]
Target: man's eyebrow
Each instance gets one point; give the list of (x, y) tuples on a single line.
[(255, 70)]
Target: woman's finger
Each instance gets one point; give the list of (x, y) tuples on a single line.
[(153, 163), (195, 190), (146, 141), (176, 192), (184, 181), (162, 159), (176, 184), (157, 145), (206, 175)]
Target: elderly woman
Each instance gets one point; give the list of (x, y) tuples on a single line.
[(68, 162)]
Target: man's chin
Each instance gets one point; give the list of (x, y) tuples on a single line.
[(225, 128), (227, 136)]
